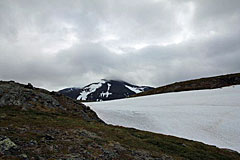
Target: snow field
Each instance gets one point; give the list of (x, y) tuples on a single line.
[(209, 116)]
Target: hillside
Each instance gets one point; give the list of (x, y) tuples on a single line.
[(37, 124), (104, 90), (196, 84), (209, 116)]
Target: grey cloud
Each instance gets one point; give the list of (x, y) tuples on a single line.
[(58, 43), (217, 8)]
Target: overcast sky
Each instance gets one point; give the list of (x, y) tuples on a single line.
[(63, 43)]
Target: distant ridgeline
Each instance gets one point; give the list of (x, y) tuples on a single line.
[(104, 90), (196, 84)]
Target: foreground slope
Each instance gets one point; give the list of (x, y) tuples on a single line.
[(104, 90), (196, 84), (210, 116), (37, 124)]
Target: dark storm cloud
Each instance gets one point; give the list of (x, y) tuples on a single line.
[(60, 43)]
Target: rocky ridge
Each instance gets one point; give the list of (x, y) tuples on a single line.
[(196, 84), (27, 97)]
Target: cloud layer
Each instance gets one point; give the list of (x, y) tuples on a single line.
[(56, 44)]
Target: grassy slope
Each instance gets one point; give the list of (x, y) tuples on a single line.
[(73, 135), (196, 84)]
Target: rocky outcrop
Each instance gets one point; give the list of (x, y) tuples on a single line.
[(27, 97), (16, 95)]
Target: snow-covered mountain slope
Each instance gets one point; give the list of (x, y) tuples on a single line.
[(210, 116), (104, 90)]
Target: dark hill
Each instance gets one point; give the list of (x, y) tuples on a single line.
[(196, 84)]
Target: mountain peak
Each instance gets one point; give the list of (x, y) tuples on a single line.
[(104, 90)]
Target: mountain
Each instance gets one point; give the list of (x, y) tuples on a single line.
[(196, 84), (37, 124), (104, 90)]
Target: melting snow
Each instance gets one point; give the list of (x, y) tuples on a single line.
[(135, 89), (88, 90), (210, 116)]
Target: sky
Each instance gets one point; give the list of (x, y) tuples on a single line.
[(71, 43)]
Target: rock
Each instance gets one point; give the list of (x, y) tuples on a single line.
[(50, 148), (3, 115), (73, 157), (23, 156), (3, 129), (40, 158), (89, 134), (49, 137), (166, 157), (29, 86), (33, 143), (6, 144)]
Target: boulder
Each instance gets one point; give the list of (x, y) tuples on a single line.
[(6, 144)]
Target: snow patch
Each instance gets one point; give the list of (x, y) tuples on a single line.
[(135, 89), (89, 89), (210, 116)]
